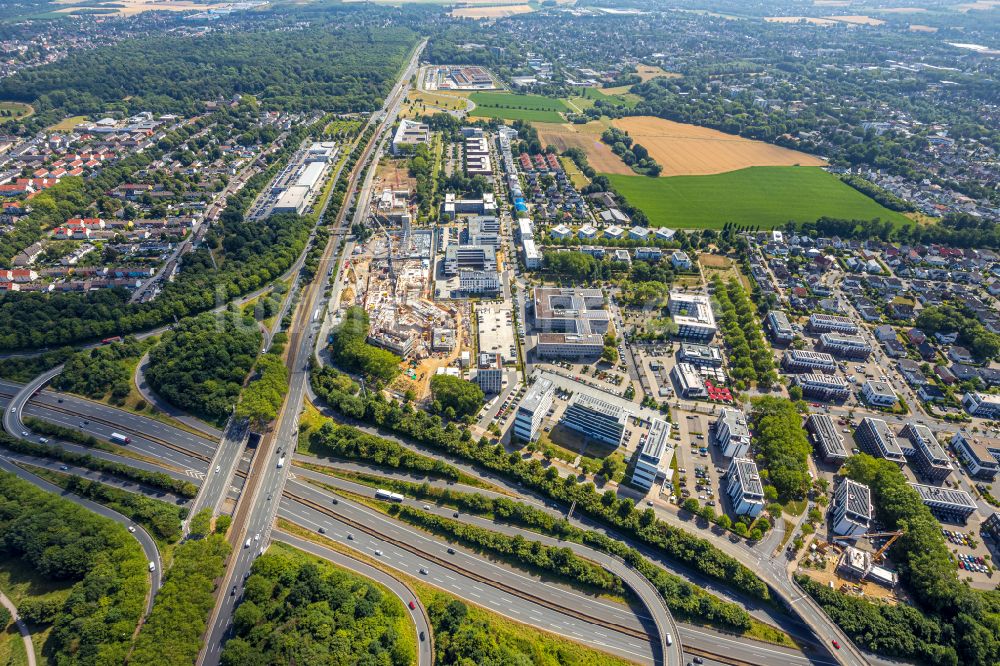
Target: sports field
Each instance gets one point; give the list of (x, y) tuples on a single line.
[(691, 150), (517, 107), (765, 196)]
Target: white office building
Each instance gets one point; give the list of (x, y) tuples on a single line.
[(983, 405), (479, 282), (654, 456), (876, 438), (690, 383), (731, 433), (596, 418), (489, 374), (852, 509), (693, 315), (743, 487), (532, 410), (780, 327)]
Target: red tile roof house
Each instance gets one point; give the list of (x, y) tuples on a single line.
[(18, 275)]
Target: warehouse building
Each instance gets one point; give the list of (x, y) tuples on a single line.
[(532, 410), (693, 315), (801, 360), (926, 456), (848, 346), (690, 383), (876, 438), (596, 418), (654, 457), (826, 438), (779, 326), (976, 453), (823, 387), (744, 488), (947, 505), (851, 513), (827, 323), (294, 199), (731, 433)]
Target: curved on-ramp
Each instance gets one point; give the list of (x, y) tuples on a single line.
[(425, 646)]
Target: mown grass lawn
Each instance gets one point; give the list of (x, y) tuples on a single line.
[(765, 196), (535, 108)]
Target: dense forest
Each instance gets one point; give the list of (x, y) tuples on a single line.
[(62, 541), (98, 372), (331, 68), (297, 609), (201, 363)]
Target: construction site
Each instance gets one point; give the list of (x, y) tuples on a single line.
[(853, 569), (390, 275)]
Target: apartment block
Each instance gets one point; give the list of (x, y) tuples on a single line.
[(842, 344), (851, 512), (827, 323), (801, 360), (823, 387), (779, 326), (876, 438)]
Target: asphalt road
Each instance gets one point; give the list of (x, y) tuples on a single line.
[(425, 653), (29, 646)]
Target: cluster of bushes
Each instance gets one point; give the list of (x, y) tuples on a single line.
[(783, 448), (64, 542), (173, 632), (633, 154), (455, 397), (25, 368), (145, 477), (750, 357), (162, 519), (560, 561), (675, 543), (262, 398), (201, 363), (298, 609), (96, 372), (343, 441), (959, 625), (350, 351), (744, 526), (881, 195)]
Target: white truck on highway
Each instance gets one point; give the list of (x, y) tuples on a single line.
[(383, 494), (119, 438)]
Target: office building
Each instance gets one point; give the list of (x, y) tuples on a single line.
[(572, 321), (693, 315), (847, 346), (529, 252), (596, 418), (947, 505), (878, 393), (983, 405), (826, 438), (991, 525), (479, 282), (827, 323), (531, 411), (483, 230), (977, 454), (743, 487), (489, 374), (654, 455), (851, 512), (876, 438), (927, 458), (409, 134), (823, 387), (731, 433), (474, 257), (689, 381), (700, 355), (779, 326), (801, 360)]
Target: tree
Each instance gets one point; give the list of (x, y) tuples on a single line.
[(462, 397)]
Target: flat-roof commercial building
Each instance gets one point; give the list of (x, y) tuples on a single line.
[(826, 438), (693, 315), (531, 411), (779, 326), (983, 405), (569, 345), (801, 360), (654, 456), (731, 433), (596, 418), (842, 344), (823, 387), (954, 506), (976, 453), (529, 252), (851, 512), (926, 456), (876, 438), (743, 487), (827, 323), (408, 134), (700, 355), (572, 321), (489, 374), (690, 383), (474, 257), (478, 282), (294, 199), (991, 525), (879, 393), (311, 175)]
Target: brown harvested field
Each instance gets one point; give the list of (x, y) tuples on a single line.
[(586, 137), (916, 27), (133, 7), (490, 12), (647, 72), (856, 20), (798, 19), (714, 260), (690, 150)]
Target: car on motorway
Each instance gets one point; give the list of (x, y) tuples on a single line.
[(63, 468), (152, 566), (836, 644), (423, 571), (217, 468), (412, 604), (131, 528), (24, 433), (322, 530), (350, 537), (378, 552), (451, 551), (422, 636), (247, 544)]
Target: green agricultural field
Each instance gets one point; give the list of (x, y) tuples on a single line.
[(518, 107), (765, 196)]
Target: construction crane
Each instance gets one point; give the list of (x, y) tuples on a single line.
[(880, 552)]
